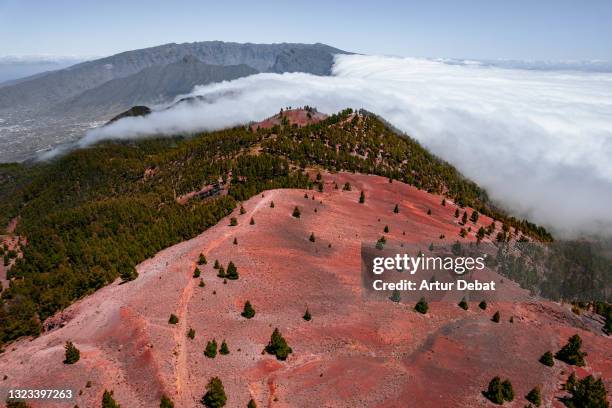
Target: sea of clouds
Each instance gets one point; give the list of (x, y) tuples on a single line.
[(540, 141)]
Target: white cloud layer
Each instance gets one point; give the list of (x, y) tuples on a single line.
[(539, 141)]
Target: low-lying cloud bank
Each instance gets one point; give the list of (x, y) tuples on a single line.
[(539, 141)]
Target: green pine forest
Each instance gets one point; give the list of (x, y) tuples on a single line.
[(93, 214)]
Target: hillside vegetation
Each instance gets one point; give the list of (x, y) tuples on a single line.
[(94, 214)]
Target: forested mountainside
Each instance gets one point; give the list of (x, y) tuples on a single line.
[(91, 216)]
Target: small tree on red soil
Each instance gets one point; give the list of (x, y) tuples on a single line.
[(547, 359), (108, 401), (588, 392), (362, 198), (173, 319), (278, 346), (347, 186), (421, 306), (252, 221), (248, 311), (202, 260), (271, 204), (224, 350), (166, 402), (307, 316), (496, 317), (312, 237), (242, 210), (296, 212), (221, 272), (196, 272), (72, 354), (215, 394), (474, 216), (233, 222), (464, 218), (457, 213), (232, 271), (463, 304), (483, 305), (251, 404), (534, 396), (211, 349), (191, 333), (571, 353), (396, 209)]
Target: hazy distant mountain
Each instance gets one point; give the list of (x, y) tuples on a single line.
[(152, 85), (55, 107)]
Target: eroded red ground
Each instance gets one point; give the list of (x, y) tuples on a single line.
[(356, 352)]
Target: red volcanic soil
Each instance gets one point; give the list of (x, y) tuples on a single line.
[(356, 351), (300, 117)]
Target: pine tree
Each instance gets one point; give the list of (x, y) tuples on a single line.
[(248, 311), (233, 222), (571, 353), (421, 306), (296, 212), (196, 272), (251, 404), (464, 218), (235, 241), (202, 260), (252, 221), (396, 209), (474, 216), (443, 202), (173, 319), (242, 210), (428, 211), (347, 186), (547, 359), (201, 284), (211, 349), (571, 382), (590, 393), (108, 401), (386, 229), (496, 317), (494, 391), (395, 296), (362, 198), (166, 402), (217, 264), (457, 213), (483, 305), (307, 315), (215, 394), (72, 354), (232, 271), (534, 396), (312, 237), (278, 346), (191, 333), (224, 350), (271, 204), (221, 272), (463, 304)]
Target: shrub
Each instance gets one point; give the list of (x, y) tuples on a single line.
[(242, 210), (534, 396), (108, 401), (215, 394), (571, 353), (201, 284), (347, 186), (496, 317), (251, 404), (173, 319), (483, 305), (278, 346), (547, 359), (296, 212), (248, 311), (307, 316), (499, 391), (191, 333), (421, 306), (211, 349), (463, 304), (72, 354), (362, 198), (232, 271), (233, 222), (166, 402)]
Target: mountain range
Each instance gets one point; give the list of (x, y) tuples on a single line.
[(47, 109)]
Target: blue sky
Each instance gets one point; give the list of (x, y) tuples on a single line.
[(535, 30)]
